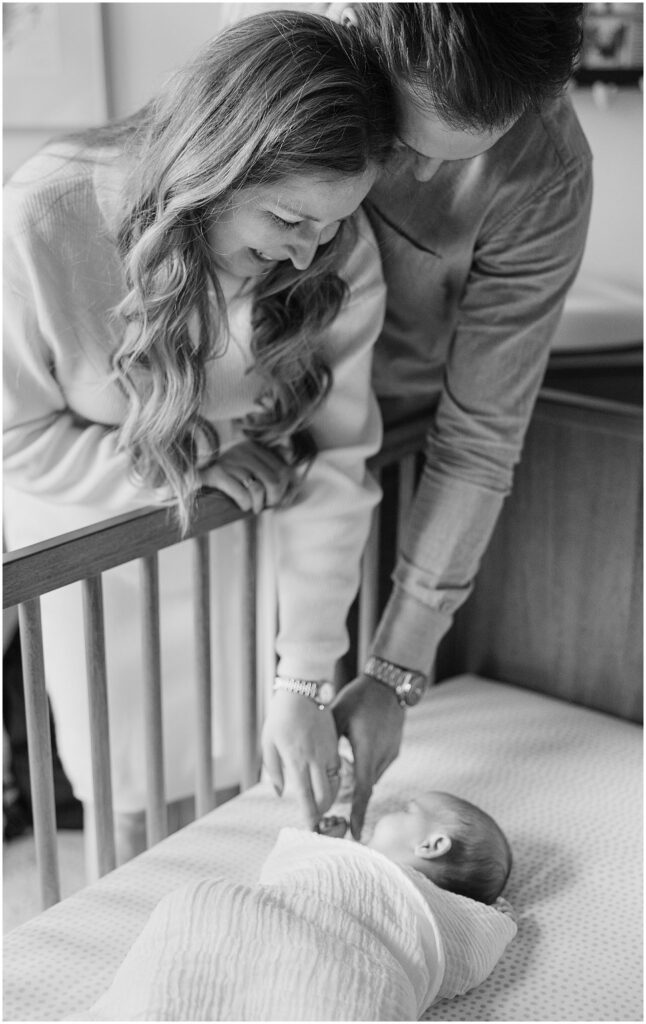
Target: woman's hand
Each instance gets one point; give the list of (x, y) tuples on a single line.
[(368, 713), (251, 475), (300, 740)]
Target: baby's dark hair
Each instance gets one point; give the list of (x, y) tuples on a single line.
[(480, 859)]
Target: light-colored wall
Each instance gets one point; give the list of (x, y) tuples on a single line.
[(613, 123), (145, 42)]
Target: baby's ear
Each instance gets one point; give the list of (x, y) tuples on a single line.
[(343, 13), (435, 845)]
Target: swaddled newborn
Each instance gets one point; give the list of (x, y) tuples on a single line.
[(333, 931)]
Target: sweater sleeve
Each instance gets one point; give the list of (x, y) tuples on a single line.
[(49, 450), (319, 539)]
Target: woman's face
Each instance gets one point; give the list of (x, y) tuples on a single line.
[(287, 220)]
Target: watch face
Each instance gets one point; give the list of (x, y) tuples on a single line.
[(325, 693), (414, 690)]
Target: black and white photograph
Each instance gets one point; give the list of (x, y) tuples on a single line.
[(322, 511)]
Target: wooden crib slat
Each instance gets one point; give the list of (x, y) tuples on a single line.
[(156, 811), (39, 745), (248, 659), (99, 724), (204, 786), (368, 591)]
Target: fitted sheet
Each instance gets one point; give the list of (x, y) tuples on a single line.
[(564, 782)]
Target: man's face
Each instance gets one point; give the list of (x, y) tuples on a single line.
[(425, 141)]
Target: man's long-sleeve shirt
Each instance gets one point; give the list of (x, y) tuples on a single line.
[(478, 262)]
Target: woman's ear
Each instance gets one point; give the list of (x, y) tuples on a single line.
[(435, 845)]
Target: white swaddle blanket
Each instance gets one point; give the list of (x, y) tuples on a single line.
[(334, 931)]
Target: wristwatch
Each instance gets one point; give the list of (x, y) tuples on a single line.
[(321, 691), (409, 686)]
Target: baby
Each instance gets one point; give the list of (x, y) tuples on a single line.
[(450, 841), (334, 929)]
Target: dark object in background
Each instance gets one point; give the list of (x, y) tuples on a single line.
[(613, 44), (16, 793)]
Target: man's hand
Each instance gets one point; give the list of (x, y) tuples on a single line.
[(369, 714), (300, 740)]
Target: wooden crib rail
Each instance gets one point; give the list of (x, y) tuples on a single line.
[(31, 571), (83, 556)]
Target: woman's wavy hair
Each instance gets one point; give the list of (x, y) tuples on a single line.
[(279, 93)]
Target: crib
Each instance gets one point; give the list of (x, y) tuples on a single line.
[(535, 715)]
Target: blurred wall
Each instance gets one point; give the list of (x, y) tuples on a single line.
[(612, 119), (144, 42)]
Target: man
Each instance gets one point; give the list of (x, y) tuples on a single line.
[(481, 222)]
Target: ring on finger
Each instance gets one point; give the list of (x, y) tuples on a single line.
[(249, 481)]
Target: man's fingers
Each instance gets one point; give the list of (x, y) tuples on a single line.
[(360, 802), (384, 763), (363, 783)]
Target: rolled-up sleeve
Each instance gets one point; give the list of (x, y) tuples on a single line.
[(521, 273)]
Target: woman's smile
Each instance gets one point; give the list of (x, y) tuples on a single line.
[(287, 220)]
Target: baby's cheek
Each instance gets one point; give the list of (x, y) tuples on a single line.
[(388, 835)]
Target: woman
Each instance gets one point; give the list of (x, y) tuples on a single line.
[(191, 298)]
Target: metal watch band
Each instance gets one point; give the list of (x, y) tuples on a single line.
[(321, 691), (407, 684)]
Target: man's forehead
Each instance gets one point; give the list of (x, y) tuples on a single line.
[(420, 128)]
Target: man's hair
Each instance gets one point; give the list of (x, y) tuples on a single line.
[(479, 861), (478, 66)]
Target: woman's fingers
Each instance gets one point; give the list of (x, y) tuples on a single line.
[(252, 476), (274, 767), (275, 476), (305, 793), (222, 480), (256, 489), (324, 786), (304, 739)]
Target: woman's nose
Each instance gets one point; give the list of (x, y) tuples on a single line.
[(302, 250)]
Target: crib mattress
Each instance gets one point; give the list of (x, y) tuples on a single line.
[(564, 782)]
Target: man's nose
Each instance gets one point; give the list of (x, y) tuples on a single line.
[(424, 167)]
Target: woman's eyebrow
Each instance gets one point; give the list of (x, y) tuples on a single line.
[(293, 213)]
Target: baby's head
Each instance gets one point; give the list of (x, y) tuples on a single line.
[(452, 842)]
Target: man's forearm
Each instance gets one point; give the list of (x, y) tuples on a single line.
[(449, 528)]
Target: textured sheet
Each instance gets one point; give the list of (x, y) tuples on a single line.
[(566, 785)]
